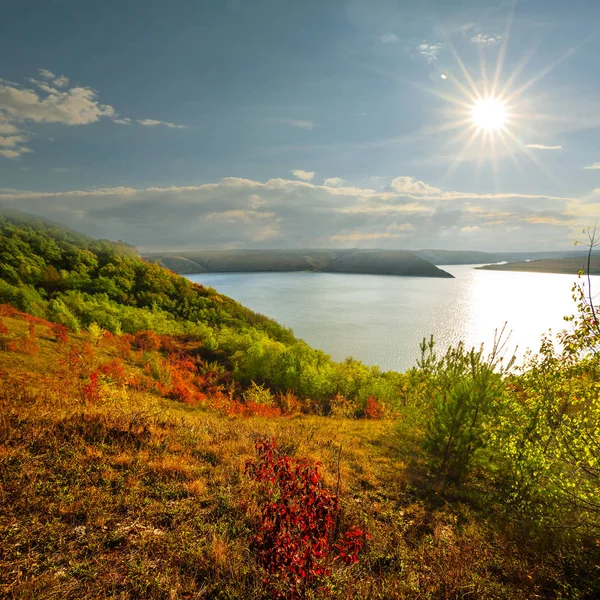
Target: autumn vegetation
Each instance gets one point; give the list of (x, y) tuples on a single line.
[(159, 440)]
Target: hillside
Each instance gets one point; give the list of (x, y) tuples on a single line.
[(455, 257), (470, 257), (54, 273), (570, 266), (160, 441), (382, 262), (374, 262), (114, 486)]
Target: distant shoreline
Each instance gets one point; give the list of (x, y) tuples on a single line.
[(564, 266)]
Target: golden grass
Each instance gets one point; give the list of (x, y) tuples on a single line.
[(141, 497)]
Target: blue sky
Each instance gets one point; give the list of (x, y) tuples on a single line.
[(180, 125)]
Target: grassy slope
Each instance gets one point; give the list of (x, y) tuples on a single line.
[(570, 266), (137, 496)]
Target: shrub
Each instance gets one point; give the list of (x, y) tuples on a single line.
[(59, 312), (95, 333), (373, 409), (465, 390), (296, 539), (257, 394)]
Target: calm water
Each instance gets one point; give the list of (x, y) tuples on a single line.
[(381, 320)]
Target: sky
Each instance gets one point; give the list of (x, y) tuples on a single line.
[(284, 124)]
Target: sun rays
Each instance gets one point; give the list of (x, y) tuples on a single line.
[(490, 112)]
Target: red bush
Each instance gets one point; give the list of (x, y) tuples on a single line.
[(6, 310), (147, 340), (114, 370), (373, 409), (90, 391), (295, 543), (61, 333)]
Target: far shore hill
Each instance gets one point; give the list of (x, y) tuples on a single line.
[(568, 266), (370, 262)]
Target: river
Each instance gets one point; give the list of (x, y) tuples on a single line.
[(381, 320)]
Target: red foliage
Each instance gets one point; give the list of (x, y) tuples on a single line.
[(29, 344), (351, 545), (115, 370), (295, 542), (76, 369), (147, 340), (373, 409), (61, 333), (288, 403), (90, 392), (6, 310), (251, 409)]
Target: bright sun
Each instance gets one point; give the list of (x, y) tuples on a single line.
[(489, 114)]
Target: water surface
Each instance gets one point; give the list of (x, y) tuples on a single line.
[(382, 319)]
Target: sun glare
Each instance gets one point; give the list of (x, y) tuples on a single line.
[(489, 114)]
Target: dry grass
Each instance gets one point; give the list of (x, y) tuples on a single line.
[(140, 497)]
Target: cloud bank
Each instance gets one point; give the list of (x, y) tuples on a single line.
[(283, 213)]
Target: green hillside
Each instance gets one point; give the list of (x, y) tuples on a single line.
[(58, 274)]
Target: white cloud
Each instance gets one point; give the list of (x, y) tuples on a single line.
[(593, 166), (409, 185), (334, 181), (389, 38), (61, 81), (154, 123), (297, 123), (544, 147), (53, 100), (46, 74), (429, 51), (481, 39), (76, 106), (401, 227), (304, 175), (362, 237), (7, 128), (13, 153), (12, 146), (11, 141)]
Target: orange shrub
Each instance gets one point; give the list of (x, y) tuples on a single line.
[(373, 409), (147, 340)]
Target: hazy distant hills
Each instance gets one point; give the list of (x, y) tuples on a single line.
[(469, 257), (569, 266), (421, 263), (457, 257), (375, 262)]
